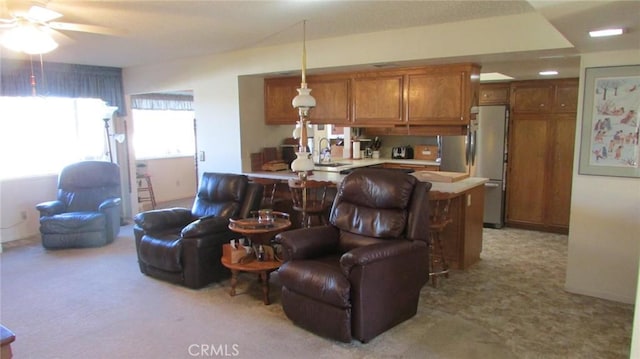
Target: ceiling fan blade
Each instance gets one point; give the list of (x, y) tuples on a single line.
[(66, 26), (42, 14)]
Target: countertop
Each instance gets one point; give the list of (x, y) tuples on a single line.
[(332, 174)]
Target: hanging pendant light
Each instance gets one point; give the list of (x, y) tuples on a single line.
[(304, 102)]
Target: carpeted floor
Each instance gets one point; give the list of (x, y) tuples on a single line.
[(95, 303)]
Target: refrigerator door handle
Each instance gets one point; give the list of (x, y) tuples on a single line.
[(473, 148), (467, 147)]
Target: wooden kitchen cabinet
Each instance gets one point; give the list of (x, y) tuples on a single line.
[(462, 238), (531, 97), (540, 166), (408, 101), (561, 137), (527, 169), (377, 99), (553, 96), (331, 94), (332, 100), (566, 97), (278, 94), (494, 94), (442, 95)]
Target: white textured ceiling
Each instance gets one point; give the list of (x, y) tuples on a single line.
[(154, 31)]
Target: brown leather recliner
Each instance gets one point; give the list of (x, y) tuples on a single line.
[(362, 274), (185, 246)]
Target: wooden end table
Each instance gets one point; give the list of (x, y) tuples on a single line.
[(257, 232), (263, 268)]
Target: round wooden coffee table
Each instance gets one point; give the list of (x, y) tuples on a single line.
[(262, 268), (259, 233)]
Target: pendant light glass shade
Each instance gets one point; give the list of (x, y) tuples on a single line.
[(304, 98), (302, 163)]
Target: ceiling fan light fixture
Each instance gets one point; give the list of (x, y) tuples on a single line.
[(29, 39)]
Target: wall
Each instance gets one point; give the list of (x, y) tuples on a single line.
[(22, 195), (172, 178), (603, 238)]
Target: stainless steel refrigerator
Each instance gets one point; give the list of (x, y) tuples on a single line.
[(482, 153)]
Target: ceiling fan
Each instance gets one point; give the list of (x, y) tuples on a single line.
[(31, 31)]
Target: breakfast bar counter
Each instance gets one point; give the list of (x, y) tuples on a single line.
[(462, 239)]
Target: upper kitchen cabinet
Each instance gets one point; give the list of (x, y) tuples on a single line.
[(278, 93), (377, 99), (566, 96), (531, 97), (411, 98), (332, 99), (553, 96), (494, 94), (442, 95)]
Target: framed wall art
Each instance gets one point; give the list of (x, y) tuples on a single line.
[(610, 122)]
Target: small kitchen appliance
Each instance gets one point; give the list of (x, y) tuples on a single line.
[(402, 152)]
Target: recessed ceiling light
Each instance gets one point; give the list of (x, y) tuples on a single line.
[(494, 76), (548, 73), (605, 32)]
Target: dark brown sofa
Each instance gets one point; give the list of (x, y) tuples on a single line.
[(362, 274)]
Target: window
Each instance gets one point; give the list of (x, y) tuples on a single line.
[(163, 133), (40, 135)]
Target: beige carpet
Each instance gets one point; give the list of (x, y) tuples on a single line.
[(95, 303)]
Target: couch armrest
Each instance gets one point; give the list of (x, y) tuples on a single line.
[(109, 203), (308, 242), (50, 208), (205, 226), (163, 219), (393, 249)]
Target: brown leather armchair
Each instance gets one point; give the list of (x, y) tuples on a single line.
[(362, 274), (185, 246)]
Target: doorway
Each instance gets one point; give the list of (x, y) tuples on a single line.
[(164, 144)]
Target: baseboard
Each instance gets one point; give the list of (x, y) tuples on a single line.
[(601, 295)]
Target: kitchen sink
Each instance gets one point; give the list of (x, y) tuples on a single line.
[(330, 164)]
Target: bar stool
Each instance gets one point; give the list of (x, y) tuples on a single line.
[(309, 198), (270, 188), (145, 190), (439, 218)]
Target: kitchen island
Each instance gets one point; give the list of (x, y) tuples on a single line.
[(462, 239)]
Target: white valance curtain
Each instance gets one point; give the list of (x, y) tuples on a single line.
[(162, 102)]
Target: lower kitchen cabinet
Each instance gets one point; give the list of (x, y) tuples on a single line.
[(462, 239)]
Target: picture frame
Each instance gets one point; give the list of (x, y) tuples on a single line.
[(610, 122)]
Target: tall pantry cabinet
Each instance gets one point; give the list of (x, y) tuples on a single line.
[(540, 154)]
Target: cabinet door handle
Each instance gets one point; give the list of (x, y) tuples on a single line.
[(491, 185)]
